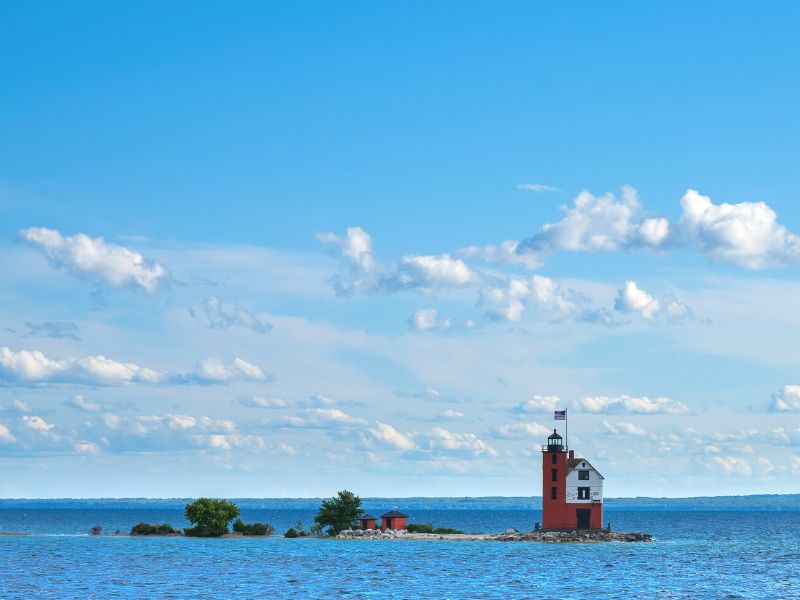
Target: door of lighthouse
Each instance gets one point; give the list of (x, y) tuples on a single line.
[(584, 516)]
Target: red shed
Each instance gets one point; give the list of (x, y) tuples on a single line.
[(368, 521), (393, 520)]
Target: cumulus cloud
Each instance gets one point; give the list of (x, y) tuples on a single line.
[(449, 415), (80, 403), (600, 224), (97, 260), (630, 404), (618, 428), (33, 367), (633, 299), (6, 437), (427, 319), (506, 253), (390, 437), (517, 431), (220, 316), (40, 426), (732, 465), (355, 246), (53, 329), (431, 272), (84, 447), (362, 273), (786, 399), (439, 438), (746, 234), (510, 301), (538, 404), (321, 418), (259, 402), (213, 370), (537, 187)]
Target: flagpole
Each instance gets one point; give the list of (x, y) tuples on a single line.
[(566, 426)]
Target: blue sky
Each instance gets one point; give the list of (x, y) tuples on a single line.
[(277, 250)]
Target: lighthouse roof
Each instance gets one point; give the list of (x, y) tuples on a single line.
[(581, 463)]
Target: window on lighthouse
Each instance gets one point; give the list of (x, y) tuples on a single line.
[(553, 493), (554, 458), (553, 474)]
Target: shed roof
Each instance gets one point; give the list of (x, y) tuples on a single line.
[(367, 516), (393, 513)]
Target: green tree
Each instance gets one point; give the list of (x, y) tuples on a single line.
[(210, 516), (339, 513)]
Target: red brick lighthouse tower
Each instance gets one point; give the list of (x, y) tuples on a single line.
[(572, 489)]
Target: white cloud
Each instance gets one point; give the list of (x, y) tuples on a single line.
[(631, 298), (221, 317), (623, 428), (432, 272), (795, 464), (6, 437), (355, 247), (746, 234), (33, 367), (96, 259), (787, 399), (537, 187), (83, 447), (213, 370), (259, 402), (538, 404), (600, 224), (511, 300), (322, 417), (389, 436), (439, 438), (219, 441), (425, 319), (516, 431), (733, 465), (630, 404), (81, 403), (36, 423), (449, 415), (506, 253)]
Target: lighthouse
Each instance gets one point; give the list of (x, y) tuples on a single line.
[(572, 489)]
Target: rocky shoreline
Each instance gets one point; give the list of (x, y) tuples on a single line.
[(509, 535)]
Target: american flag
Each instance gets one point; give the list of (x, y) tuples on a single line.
[(561, 415)]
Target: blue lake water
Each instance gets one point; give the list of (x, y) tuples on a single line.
[(705, 553)]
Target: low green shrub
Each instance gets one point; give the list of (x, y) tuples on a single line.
[(148, 529), (429, 528), (252, 528), (291, 533), (201, 531), (446, 530)]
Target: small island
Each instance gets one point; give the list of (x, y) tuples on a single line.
[(342, 518)]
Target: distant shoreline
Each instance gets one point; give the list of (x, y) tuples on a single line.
[(746, 502)]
